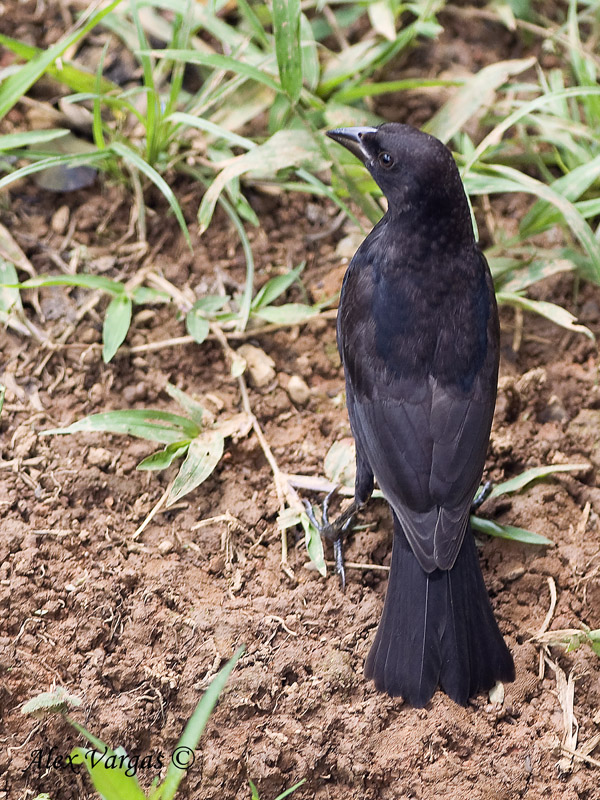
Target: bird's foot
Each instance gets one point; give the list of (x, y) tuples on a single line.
[(482, 495), (334, 531)]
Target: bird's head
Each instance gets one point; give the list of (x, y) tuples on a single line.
[(412, 168)]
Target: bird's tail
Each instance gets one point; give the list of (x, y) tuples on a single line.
[(437, 629)]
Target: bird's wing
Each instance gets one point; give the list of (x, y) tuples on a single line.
[(426, 445)]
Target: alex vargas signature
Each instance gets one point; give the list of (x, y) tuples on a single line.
[(42, 760)]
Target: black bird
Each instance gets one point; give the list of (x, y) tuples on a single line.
[(418, 336)]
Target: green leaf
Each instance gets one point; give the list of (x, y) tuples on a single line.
[(194, 410), (18, 84), (10, 299), (499, 178), (203, 456), (59, 700), (254, 790), (116, 324), (133, 158), (108, 772), (197, 325), (477, 92), (290, 790), (287, 314), (164, 458), (311, 68), (491, 528), (68, 74), (217, 131), (145, 423), (557, 314), (218, 62), (211, 303), (143, 295), (314, 544), (340, 462), (549, 98), (275, 287), (85, 281), (69, 161), (381, 17), (13, 141), (530, 475), (286, 28), (284, 149), (354, 93), (195, 727), (517, 275)]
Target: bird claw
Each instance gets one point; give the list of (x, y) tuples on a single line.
[(482, 495), (334, 531), (325, 528)]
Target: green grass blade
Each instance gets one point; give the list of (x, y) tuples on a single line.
[(216, 61), (164, 458), (276, 286), (571, 186), (193, 409), (197, 325), (68, 74), (53, 161), (289, 791), (546, 99), (354, 93), (314, 544), (287, 314), (108, 774), (116, 324), (210, 127), (138, 162), (555, 313), (286, 28), (145, 423), (82, 280), (203, 455), (491, 528), (499, 178), (97, 130), (475, 93), (10, 297), (286, 148), (195, 727), (19, 84), (13, 141), (530, 475), (254, 791), (254, 23)]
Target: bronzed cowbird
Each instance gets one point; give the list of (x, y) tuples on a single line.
[(418, 336)]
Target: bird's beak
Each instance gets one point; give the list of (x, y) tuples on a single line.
[(352, 139)]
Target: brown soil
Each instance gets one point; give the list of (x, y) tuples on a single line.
[(137, 628)]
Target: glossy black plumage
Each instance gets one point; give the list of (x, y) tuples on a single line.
[(419, 340)]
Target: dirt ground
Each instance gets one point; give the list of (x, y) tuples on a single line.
[(138, 627)]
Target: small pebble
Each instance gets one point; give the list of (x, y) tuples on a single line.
[(99, 457), (60, 220), (298, 390), (165, 547), (261, 367)]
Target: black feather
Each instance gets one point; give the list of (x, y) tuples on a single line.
[(437, 628)]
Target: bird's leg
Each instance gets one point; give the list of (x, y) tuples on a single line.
[(334, 531), (482, 495)]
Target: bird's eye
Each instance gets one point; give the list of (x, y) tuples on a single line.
[(386, 160)]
